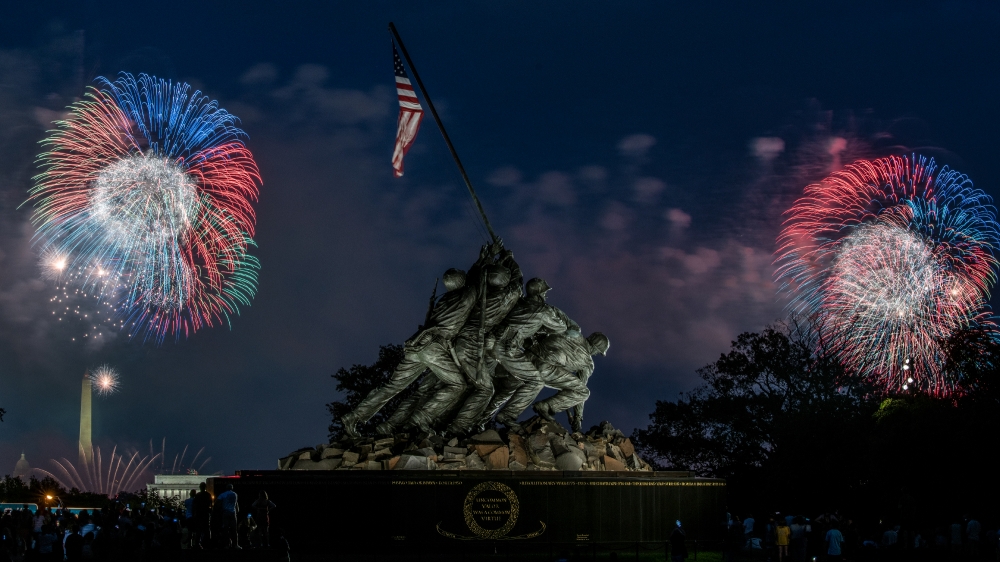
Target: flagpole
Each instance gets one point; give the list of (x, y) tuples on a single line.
[(444, 133)]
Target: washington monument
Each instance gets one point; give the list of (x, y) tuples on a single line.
[(86, 446)]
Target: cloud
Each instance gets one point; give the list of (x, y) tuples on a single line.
[(669, 303), (593, 174), (767, 149), (504, 177), (646, 190), (264, 73), (678, 219), (837, 146), (305, 100), (46, 117), (616, 218), (556, 188), (637, 145)]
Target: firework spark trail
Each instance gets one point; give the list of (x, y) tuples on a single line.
[(892, 257), (151, 184), (178, 464), (117, 478)]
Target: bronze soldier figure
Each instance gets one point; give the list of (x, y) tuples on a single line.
[(429, 348), (477, 362), (565, 364), (530, 317)]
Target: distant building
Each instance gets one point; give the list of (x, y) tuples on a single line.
[(22, 469), (176, 485)]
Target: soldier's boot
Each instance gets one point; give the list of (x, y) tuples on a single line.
[(511, 425), (385, 429), (349, 421), (423, 425), (543, 409), (575, 424)]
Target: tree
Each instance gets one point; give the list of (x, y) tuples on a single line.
[(148, 499), (13, 489), (972, 358), (926, 453), (789, 429), (765, 420), (358, 381)]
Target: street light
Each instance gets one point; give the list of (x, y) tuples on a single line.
[(58, 500)]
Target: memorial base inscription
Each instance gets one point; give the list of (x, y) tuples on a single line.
[(368, 511)]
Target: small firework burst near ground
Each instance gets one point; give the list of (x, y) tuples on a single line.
[(145, 198), (891, 257), (180, 463), (109, 476)]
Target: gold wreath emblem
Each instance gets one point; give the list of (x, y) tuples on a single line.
[(469, 505), (479, 533)]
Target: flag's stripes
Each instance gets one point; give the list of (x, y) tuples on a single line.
[(407, 95), (410, 114)]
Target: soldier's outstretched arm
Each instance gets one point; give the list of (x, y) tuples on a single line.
[(572, 327), (553, 321), (484, 257), (507, 260), (496, 247)]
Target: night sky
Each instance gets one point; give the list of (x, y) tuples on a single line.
[(636, 156)]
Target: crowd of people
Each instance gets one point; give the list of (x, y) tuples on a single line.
[(831, 537), (119, 531)]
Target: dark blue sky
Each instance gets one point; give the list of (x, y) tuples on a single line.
[(638, 157)]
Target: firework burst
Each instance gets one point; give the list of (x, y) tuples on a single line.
[(149, 185), (891, 257), (54, 264), (111, 476), (105, 380), (181, 464)]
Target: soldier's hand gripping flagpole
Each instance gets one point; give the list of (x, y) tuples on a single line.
[(444, 133)]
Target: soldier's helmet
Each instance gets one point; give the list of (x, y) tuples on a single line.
[(599, 343), (536, 286), (453, 279), (497, 275)]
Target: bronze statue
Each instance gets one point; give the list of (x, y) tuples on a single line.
[(565, 364), (429, 348), (473, 347), (522, 381)]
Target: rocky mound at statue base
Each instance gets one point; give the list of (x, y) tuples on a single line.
[(543, 445)]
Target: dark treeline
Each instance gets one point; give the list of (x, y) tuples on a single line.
[(790, 430), (16, 490)]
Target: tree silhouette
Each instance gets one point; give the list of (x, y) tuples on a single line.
[(358, 381), (789, 429)]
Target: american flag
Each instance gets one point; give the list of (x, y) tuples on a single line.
[(410, 114)]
